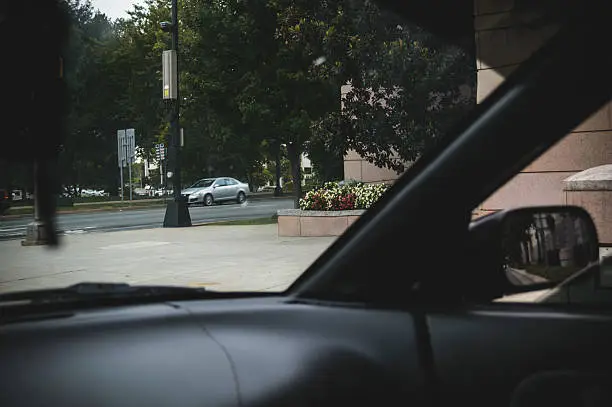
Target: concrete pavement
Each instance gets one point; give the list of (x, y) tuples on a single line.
[(218, 257), (148, 218)]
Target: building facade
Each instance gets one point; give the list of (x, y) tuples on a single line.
[(504, 39)]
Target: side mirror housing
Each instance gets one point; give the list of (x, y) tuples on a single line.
[(532, 249)]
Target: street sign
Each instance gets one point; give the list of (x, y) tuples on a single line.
[(130, 135), (169, 75), (160, 151), (120, 148), (126, 147), (126, 154)]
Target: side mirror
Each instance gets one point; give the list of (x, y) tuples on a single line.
[(535, 248), (547, 245)]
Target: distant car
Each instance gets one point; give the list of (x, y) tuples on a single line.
[(5, 200), (163, 192), (208, 191), (92, 192)]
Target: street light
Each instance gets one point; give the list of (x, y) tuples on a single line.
[(177, 212)]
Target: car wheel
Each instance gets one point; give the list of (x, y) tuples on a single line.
[(208, 200), (241, 197)]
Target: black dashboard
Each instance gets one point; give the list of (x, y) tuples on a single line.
[(251, 352)]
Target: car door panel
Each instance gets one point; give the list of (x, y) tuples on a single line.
[(486, 356), (232, 188), (228, 189), (218, 190)]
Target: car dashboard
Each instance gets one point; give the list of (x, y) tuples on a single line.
[(251, 352)]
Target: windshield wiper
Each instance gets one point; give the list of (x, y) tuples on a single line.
[(101, 291), (61, 302), (117, 293)]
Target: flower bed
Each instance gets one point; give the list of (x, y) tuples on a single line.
[(329, 210), (334, 196)]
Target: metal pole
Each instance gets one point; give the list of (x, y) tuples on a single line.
[(278, 190), (161, 173), (121, 172), (174, 124), (36, 193), (130, 175), (177, 213), (38, 231), (125, 157)]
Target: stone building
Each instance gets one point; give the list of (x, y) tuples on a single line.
[(504, 39)]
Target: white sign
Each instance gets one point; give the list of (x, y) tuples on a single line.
[(160, 151), (130, 135), (121, 148), (126, 147)]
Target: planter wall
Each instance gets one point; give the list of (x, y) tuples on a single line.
[(295, 222), (592, 190)]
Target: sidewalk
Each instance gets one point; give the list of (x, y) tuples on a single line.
[(221, 258)]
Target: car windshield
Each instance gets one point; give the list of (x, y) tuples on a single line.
[(203, 183), (317, 106)]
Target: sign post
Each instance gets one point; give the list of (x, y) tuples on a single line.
[(126, 151), (130, 136), (120, 156), (160, 153), (177, 213)]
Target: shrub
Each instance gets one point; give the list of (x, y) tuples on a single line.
[(334, 196)]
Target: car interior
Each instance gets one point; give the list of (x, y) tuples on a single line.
[(401, 309)]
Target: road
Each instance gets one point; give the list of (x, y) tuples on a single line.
[(74, 223)]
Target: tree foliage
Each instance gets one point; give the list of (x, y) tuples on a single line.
[(257, 74)]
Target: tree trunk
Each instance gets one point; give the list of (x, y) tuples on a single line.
[(277, 190), (296, 173), (249, 180)]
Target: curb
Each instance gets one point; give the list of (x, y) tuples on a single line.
[(128, 208)]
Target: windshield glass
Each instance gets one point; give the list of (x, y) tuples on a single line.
[(203, 183), (318, 107)]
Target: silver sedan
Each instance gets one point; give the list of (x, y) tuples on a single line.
[(208, 191)]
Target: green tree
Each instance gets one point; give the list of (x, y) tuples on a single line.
[(407, 86), (87, 150), (257, 74)]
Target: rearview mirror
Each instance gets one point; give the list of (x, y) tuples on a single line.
[(547, 245), (531, 249)]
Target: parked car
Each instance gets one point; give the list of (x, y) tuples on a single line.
[(163, 192), (17, 195), (208, 191), (5, 200)]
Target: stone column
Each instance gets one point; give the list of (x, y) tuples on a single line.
[(591, 189)]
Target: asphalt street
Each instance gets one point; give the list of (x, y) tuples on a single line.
[(75, 223)]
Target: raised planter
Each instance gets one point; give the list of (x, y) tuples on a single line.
[(295, 222)]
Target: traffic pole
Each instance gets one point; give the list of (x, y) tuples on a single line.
[(177, 212)]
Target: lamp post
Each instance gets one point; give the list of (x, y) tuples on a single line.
[(177, 213), (278, 191)]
